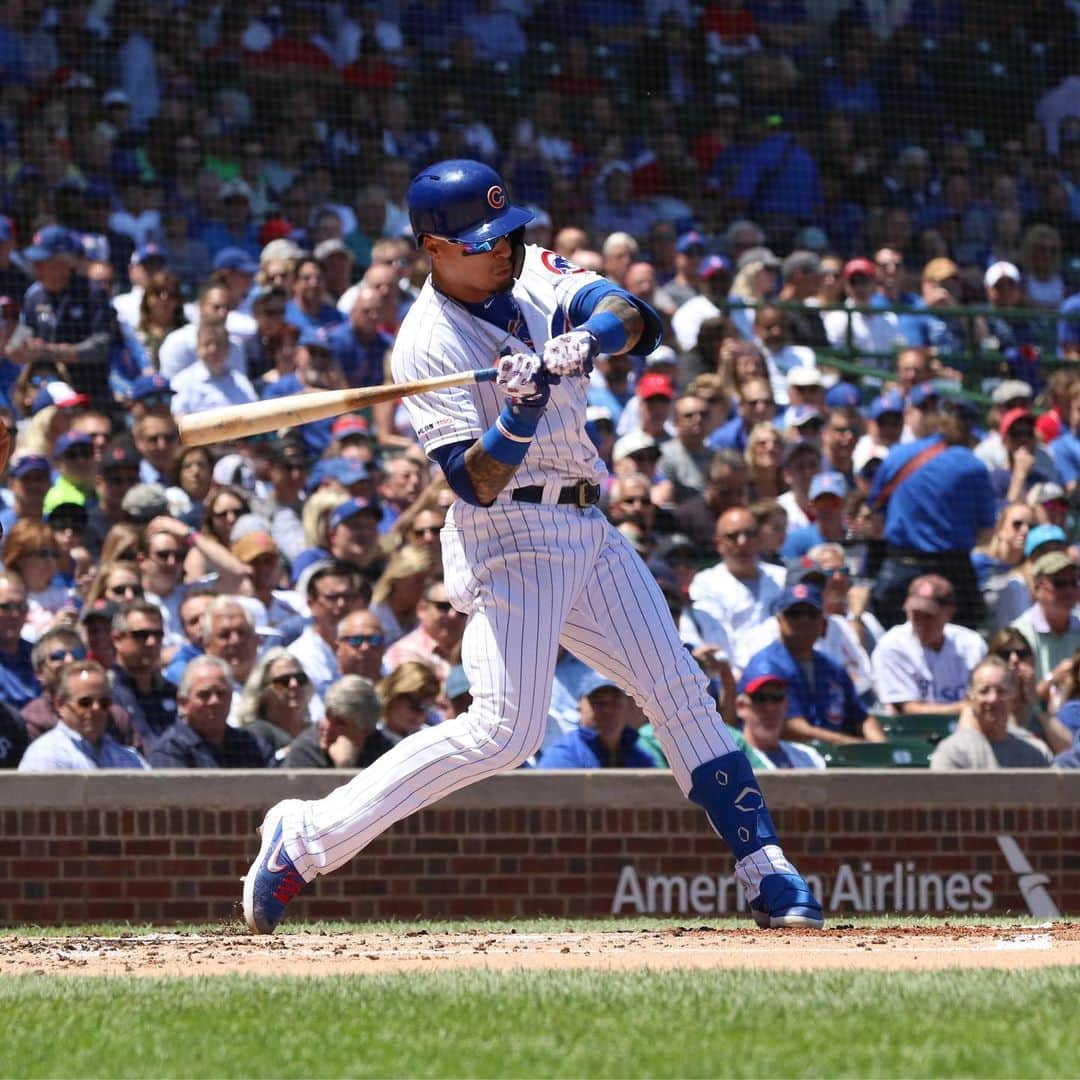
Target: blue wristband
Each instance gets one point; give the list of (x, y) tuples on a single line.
[(608, 330), (509, 438)]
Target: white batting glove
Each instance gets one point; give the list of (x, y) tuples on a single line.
[(571, 353), (520, 376)]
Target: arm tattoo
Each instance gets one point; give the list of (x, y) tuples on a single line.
[(627, 314), (488, 476)]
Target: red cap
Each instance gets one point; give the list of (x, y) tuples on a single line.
[(348, 425), (859, 266), (653, 384), (275, 228), (754, 685), (1010, 418)]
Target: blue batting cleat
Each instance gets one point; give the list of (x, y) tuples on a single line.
[(272, 880), (786, 900)]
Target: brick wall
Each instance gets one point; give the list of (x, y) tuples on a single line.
[(164, 848)]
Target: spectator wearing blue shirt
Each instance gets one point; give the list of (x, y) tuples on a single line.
[(236, 231), (938, 503), (358, 344), (828, 492), (604, 740), (80, 740), (18, 683), (823, 704), (70, 318), (309, 308), (778, 179), (756, 406), (316, 369)]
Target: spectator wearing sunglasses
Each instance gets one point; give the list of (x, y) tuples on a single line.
[(80, 741), (924, 664), (274, 702), (436, 641), (825, 707), (1027, 711), (138, 685), (361, 646), (57, 648), (846, 640), (30, 550), (73, 459), (1049, 626), (761, 706), (346, 737)]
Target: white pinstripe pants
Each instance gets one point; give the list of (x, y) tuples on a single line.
[(530, 576)]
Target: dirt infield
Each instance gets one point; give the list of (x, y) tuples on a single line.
[(229, 950)]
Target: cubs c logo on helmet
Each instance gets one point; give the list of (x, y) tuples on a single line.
[(496, 197)]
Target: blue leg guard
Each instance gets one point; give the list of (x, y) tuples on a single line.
[(728, 791)]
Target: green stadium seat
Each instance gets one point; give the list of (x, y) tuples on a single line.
[(894, 754), (930, 726)]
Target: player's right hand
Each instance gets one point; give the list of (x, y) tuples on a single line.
[(521, 376)]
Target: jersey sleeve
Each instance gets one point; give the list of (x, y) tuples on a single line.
[(441, 416)]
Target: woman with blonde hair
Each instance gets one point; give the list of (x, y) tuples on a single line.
[(275, 701), (407, 694), (753, 285), (739, 362), (399, 589), (764, 459), (1040, 259), (1001, 557)]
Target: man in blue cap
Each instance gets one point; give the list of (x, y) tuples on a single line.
[(604, 740), (316, 369), (28, 479), (150, 395), (828, 492), (69, 317), (823, 704), (938, 503), (885, 425), (73, 456)]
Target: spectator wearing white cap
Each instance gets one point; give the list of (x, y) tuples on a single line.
[(994, 331)]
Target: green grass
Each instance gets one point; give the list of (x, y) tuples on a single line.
[(525, 1024)]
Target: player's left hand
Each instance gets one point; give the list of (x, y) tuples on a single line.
[(571, 353), (522, 377)]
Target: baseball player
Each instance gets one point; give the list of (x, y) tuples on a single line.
[(527, 555)]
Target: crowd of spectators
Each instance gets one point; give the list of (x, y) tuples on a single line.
[(204, 204)]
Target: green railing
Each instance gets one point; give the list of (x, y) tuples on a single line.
[(976, 365)]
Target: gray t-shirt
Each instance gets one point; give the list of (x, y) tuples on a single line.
[(968, 749)]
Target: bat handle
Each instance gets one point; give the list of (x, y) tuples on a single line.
[(486, 375)]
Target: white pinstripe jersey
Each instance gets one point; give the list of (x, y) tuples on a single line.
[(439, 336)]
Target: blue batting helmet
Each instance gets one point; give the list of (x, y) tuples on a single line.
[(462, 200)]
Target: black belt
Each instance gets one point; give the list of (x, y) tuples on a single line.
[(580, 494)]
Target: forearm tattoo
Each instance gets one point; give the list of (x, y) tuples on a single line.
[(488, 476), (627, 314)]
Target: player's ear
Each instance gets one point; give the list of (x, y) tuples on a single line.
[(430, 245)]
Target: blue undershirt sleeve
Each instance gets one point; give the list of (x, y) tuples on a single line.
[(451, 459), (584, 304)]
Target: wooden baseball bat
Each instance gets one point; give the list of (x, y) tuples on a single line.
[(238, 421)]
